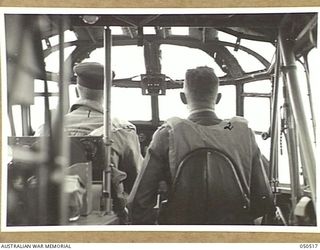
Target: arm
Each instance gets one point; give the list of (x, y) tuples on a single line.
[(127, 156), (261, 195), (155, 168)]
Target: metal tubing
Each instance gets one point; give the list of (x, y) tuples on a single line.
[(262, 95), (47, 115), (273, 175), (239, 100), (155, 110), (52, 208), (294, 173), (61, 73), (11, 119), (298, 112), (291, 140), (106, 185), (153, 66), (62, 144), (306, 68), (25, 120), (46, 148)]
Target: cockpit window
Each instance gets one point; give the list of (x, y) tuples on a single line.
[(248, 62), (127, 61), (116, 30), (54, 40), (179, 31), (130, 104), (263, 86), (170, 100), (53, 58), (39, 86), (257, 112), (267, 50), (225, 109), (149, 30), (37, 109), (176, 60)]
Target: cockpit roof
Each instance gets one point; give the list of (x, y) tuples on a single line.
[(262, 27), (301, 28)]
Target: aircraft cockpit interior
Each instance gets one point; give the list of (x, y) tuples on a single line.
[(266, 64)]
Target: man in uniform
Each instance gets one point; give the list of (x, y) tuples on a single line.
[(86, 114), (86, 118), (203, 129)]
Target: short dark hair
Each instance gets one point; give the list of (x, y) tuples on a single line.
[(202, 84)]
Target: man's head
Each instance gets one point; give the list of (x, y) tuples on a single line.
[(90, 80), (200, 88)]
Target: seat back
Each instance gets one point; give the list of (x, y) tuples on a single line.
[(82, 149), (88, 149), (206, 190), (86, 159)]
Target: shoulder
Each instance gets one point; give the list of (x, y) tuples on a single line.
[(238, 122), (161, 135), (116, 126), (167, 127), (239, 119), (168, 124), (78, 104), (174, 121), (123, 133), (97, 132), (119, 124), (242, 125), (160, 140)]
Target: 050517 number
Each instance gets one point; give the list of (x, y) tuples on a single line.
[(309, 245)]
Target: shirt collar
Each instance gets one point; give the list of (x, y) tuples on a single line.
[(201, 110), (207, 112), (88, 103)]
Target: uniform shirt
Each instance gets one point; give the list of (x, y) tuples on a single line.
[(156, 167), (84, 117)]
